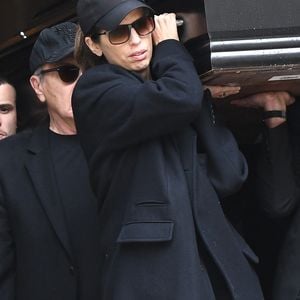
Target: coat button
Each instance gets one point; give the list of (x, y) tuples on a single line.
[(72, 270)]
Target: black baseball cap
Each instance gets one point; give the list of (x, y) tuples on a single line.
[(53, 44), (105, 14)]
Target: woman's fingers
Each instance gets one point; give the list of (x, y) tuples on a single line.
[(165, 28)]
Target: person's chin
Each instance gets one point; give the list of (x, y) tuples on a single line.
[(141, 65)]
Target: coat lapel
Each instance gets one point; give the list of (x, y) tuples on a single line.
[(40, 169)]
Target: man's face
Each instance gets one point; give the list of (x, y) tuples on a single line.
[(8, 113), (56, 93)]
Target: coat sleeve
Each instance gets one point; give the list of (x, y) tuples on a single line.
[(115, 109), (7, 255), (226, 166), (275, 183)]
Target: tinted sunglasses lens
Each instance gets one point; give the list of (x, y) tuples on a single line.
[(144, 25), (119, 35), (68, 74)]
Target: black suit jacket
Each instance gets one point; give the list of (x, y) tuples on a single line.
[(36, 258)]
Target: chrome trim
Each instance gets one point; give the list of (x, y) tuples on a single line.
[(258, 43), (229, 59)]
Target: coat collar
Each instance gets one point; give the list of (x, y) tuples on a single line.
[(40, 169)]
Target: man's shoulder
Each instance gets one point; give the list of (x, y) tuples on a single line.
[(18, 138), (15, 143)]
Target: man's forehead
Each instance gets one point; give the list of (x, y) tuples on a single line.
[(7, 93)]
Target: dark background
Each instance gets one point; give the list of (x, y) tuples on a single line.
[(29, 17)]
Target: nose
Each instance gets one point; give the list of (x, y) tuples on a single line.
[(134, 37)]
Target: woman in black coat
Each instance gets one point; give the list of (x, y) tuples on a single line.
[(158, 162)]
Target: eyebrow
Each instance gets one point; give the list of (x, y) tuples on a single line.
[(7, 105)]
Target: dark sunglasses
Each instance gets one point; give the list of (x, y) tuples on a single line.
[(67, 73), (121, 34)]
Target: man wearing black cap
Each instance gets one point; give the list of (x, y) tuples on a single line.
[(48, 222)]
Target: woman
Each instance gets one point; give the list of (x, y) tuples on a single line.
[(140, 114)]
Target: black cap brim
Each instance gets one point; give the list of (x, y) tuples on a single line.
[(105, 14), (114, 17)]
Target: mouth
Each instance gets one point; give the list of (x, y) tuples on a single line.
[(138, 55)]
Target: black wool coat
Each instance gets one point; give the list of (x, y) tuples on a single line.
[(158, 199)]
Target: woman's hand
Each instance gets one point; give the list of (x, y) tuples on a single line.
[(165, 28)]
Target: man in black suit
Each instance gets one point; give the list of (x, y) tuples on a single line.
[(48, 220)]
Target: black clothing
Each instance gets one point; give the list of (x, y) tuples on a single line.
[(158, 196), (286, 285), (48, 238), (77, 199), (261, 209)]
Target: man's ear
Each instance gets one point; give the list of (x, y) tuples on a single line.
[(36, 84), (94, 47)]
